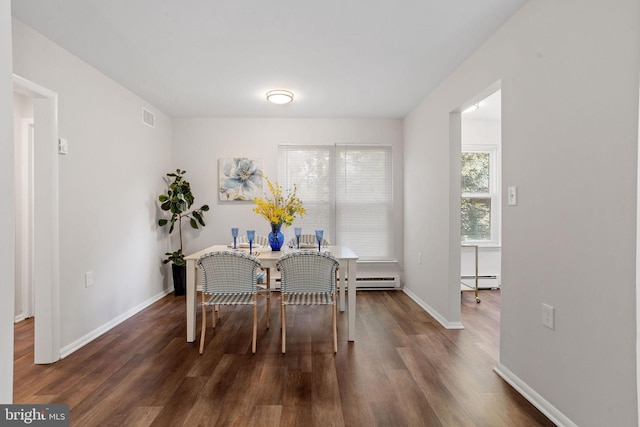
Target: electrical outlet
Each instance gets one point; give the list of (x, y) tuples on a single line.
[(548, 316), (88, 279)]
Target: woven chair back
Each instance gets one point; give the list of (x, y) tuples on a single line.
[(228, 272), (308, 239), (259, 240), (308, 272)]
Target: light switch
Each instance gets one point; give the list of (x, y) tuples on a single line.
[(512, 196), (548, 316), (63, 146), (88, 279)]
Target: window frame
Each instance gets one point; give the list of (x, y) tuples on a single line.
[(338, 203), (495, 183)]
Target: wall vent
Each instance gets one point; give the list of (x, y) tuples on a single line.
[(148, 118)]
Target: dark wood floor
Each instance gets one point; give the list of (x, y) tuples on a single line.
[(403, 370)]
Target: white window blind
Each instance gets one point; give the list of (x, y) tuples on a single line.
[(347, 192)]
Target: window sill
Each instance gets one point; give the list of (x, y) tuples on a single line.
[(482, 245)]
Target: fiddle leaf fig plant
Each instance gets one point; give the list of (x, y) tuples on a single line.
[(177, 201)]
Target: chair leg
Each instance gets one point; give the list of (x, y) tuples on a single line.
[(255, 323), (283, 325), (204, 325), (335, 325), (268, 285)]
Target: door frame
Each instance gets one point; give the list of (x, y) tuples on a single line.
[(46, 248)]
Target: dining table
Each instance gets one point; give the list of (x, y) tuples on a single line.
[(347, 273)]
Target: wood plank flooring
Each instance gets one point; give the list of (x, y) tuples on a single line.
[(403, 370)]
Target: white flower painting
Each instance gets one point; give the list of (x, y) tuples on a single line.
[(240, 179)]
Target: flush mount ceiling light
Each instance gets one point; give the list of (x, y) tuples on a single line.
[(279, 96), (474, 107)]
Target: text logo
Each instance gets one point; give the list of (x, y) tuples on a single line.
[(53, 415)]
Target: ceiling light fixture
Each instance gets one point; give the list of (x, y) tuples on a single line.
[(279, 96), (474, 107)]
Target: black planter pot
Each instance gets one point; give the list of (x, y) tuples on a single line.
[(179, 278)]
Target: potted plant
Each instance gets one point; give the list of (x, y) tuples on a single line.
[(177, 201)]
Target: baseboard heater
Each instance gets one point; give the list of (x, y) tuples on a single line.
[(391, 282), (484, 282), (364, 283)]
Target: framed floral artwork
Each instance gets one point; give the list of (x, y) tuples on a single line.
[(240, 179)]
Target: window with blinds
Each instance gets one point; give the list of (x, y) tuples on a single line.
[(346, 191)]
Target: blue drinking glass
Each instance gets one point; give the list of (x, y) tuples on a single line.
[(319, 234), (251, 234), (234, 233), (298, 233)]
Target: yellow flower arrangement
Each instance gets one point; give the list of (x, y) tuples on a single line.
[(279, 209)]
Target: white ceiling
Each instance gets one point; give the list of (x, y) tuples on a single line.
[(206, 58)]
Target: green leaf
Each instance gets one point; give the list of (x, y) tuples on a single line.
[(163, 198), (166, 205), (175, 257), (204, 208), (198, 217), (162, 222), (194, 224)]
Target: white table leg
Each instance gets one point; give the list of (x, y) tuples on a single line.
[(191, 300), (351, 279), (343, 284)]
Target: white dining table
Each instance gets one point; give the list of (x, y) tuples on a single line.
[(347, 273)]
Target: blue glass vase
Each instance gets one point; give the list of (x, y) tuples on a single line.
[(276, 238)]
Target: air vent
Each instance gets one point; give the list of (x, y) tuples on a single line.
[(148, 118)]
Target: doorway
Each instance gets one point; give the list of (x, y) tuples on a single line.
[(23, 167), (481, 182), (476, 194), (42, 245)]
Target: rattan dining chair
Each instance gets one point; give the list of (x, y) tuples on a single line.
[(307, 240), (308, 278), (228, 278), (259, 240)]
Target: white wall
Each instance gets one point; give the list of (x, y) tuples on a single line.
[(480, 132), (6, 215), (569, 76), (108, 184), (199, 143)]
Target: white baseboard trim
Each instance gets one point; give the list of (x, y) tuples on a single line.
[(86, 339), (444, 322), (550, 411), (19, 318)]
